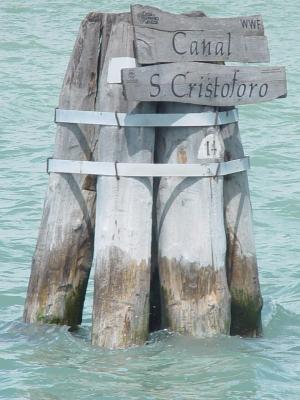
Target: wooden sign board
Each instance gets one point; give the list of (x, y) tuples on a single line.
[(154, 46), (206, 84), (152, 17)]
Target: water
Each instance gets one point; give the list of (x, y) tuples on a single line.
[(48, 362)]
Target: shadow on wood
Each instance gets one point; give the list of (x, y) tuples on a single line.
[(191, 234), (194, 264), (242, 268)]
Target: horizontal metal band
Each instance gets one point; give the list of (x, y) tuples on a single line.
[(146, 120), (147, 170)]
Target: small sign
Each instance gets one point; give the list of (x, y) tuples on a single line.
[(205, 84), (115, 67), (211, 146), (152, 17), (154, 46)]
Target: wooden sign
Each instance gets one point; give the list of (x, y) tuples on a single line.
[(152, 17), (154, 46), (206, 84)]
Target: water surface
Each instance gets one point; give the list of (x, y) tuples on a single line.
[(48, 362)]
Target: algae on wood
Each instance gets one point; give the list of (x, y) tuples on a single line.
[(191, 234), (242, 270), (63, 255)]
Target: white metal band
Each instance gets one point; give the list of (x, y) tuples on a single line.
[(146, 120), (147, 170)]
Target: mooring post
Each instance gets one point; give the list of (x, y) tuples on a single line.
[(170, 44), (191, 234), (123, 222), (63, 255), (202, 245), (242, 267)]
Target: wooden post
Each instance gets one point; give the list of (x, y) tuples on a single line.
[(241, 256), (158, 83), (123, 223), (62, 259), (191, 234), (192, 252)]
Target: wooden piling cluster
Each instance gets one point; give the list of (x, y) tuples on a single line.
[(194, 233)]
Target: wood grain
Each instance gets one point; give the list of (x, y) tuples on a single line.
[(190, 233), (63, 255), (154, 46), (122, 250), (242, 268), (153, 17), (204, 84)]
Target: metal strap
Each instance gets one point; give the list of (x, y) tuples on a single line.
[(148, 170), (146, 120)]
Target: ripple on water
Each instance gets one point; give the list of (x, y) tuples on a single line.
[(168, 366), (49, 362)]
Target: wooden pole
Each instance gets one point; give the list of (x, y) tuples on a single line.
[(190, 226), (242, 268), (123, 223), (191, 234), (62, 259)]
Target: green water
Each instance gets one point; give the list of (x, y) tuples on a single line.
[(48, 362)]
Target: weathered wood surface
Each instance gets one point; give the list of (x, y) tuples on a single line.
[(63, 255), (155, 320), (155, 46), (122, 251), (61, 264), (191, 234), (242, 268), (153, 17), (206, 84)]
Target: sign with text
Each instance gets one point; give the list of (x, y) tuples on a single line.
[(152, 17), (154, 46), (205, 84)]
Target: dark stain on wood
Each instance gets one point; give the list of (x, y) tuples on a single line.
[(191, 293), (243, 282), (57, 294), (60, 270), (181, 155), (92, 86), (121, 300)]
